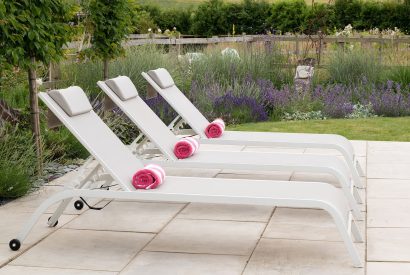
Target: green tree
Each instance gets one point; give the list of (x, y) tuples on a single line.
[(288, 16), (319, 17), (111, 22), (179, 18), (348, 12), (210, 19), (143, 22), (33, 32), (248, 16)]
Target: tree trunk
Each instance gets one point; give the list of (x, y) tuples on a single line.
[(105, 75), (35, 113)]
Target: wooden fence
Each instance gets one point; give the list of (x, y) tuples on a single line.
[(319, 42), (298, 40)]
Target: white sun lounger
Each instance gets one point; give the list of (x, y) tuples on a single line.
[(73, 109), (158, 133), (163, 83)]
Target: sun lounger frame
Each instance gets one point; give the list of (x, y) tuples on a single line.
[(227, 191)]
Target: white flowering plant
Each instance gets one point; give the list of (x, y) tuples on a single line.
[(346, 32), (312, 115)]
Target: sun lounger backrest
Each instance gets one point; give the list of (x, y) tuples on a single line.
[(98, 139), (145, 119), (181, 104)]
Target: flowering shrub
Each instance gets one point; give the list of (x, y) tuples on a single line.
[(346, 32), (390, 99), (257, 100), (395, 33), (239, 109), (317, 115), (362, 111), (336, 100)]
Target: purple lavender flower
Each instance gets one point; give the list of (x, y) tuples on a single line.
[(161, 108), (239, 108)]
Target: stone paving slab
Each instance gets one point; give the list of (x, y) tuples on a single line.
[(127, 216), (388, 188), (219, 239), (29, 203), (206, 211), (149, 263), (85, 249), (392, 157), (274, 256), (384, 268), (6, 255), (208, 237), (396, 146), (388, 170), (12, 222), (303, 224), (388, 244), (18, 270), (390, 212)]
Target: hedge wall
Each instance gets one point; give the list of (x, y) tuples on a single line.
[(216, 17)]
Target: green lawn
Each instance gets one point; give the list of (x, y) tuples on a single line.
[(382, 128)]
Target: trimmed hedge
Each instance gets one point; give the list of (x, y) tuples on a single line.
[(216, 17)]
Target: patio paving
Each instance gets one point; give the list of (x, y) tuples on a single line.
[(128, 237)]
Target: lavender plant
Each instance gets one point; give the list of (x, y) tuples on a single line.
[(239, 109), (254, 88)]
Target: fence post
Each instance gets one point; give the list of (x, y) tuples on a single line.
[(245, 46), (54, 75), (362, 41), (297, 46), (50, 74), (320, 47), (249, 46), (178, 44), (380, 48), (268, 46)]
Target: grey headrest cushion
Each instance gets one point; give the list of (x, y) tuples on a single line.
[(162, 77), (72, 100), (123, 87)]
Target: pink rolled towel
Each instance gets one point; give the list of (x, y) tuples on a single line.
[(215, 129), (186, 147), (150, 177)]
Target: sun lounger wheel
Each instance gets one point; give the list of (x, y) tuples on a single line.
[(14, 244), (55, 224), (78, 204)]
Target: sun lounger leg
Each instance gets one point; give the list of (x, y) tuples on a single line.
[(359, 168), (355, 176), (345, 232), (349, 190), (357, 195), (65, 195), (59, 211), (356, 232), (351, 248)]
